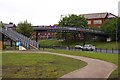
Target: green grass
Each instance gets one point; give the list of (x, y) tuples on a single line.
[(49, 42), (0, 57), (113, 58), (0, 63), (104, 45), (17, 65), (108, 45)]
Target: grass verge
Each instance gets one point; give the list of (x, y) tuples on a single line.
[(17, 65), (103, 45)]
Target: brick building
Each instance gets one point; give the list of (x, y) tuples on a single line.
[(42, 34), (97, 19)]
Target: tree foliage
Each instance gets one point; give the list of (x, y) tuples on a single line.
[(2, 25), (73, 21), (110, 27), (25, 28)]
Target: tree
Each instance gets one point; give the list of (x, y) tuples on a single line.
[(25, 28), (72, 21), (118, 28), (110, 27), (2, 25)]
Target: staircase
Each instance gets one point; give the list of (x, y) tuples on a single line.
[(17, 37)]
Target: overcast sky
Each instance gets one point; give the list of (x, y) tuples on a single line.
[(48, 12)]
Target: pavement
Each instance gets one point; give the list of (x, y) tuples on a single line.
[(95, 68)]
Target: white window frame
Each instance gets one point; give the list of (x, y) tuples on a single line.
[(97, 22), (89, 22)]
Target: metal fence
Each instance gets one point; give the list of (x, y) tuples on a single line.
[(100, 50)]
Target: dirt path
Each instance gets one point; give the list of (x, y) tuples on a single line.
[(95, 68)]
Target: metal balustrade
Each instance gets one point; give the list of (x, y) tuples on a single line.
[(27, 42), (25, 39), (5, 32), (58, 28)]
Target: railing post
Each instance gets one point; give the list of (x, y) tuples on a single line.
[(38, 45), (28, 43), (106, 50), (100, 49), (95, 49), (112, 50), (118, 51)]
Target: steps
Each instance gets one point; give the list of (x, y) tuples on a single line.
[(17, 37)]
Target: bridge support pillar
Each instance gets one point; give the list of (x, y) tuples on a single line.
[(36, 37), (11, 43), (84, 36)]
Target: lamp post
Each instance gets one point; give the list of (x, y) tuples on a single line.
[(117, 25), (116, 33)]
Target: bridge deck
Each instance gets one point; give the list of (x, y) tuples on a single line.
[(67, 29)]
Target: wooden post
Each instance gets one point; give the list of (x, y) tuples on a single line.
[(1, 45), (1, 41)]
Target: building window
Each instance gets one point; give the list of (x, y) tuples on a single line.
[(89, 22), (97, 21)]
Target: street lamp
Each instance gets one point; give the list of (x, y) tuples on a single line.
[(116, 33), (117, 25)]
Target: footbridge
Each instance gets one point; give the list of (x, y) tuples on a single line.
[(17, 37), (63, 29), (67, 29)]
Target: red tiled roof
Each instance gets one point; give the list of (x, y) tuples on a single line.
[(97, 15)]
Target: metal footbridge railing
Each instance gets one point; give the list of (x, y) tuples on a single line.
[(68, 29), (17, 37)]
